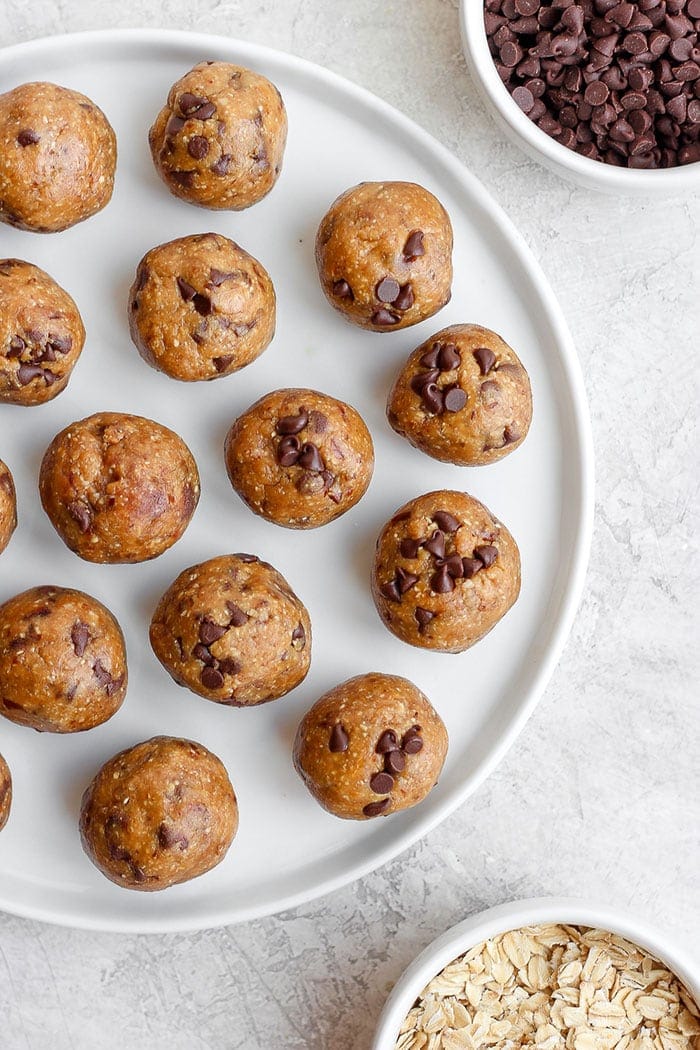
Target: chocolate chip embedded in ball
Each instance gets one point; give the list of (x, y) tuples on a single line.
[(159, 813), (384, 255), (5, 792), (219, 140), (370, 747), (8, 506)]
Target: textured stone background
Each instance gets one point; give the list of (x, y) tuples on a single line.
[(599, 797)]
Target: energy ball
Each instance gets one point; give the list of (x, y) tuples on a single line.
[(58, 154), (8, 506), (370, 747), (5, 792), (62, 661), (201, 307), (232, 630), (384, 255), (462, 397), (299, 458), (445, 572), (41, 334), (159, 813), (118, 488), (219, 140)]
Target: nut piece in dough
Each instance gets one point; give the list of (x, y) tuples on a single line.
[(201, 307), (299, 458), (118, 488), (159, 813), (384, 255), (219, 140), (371, 746), (232, 630), (62, 661), (8, 506), (463, 397), (445, 572), (5, 792), (41, 334), (58, 154)]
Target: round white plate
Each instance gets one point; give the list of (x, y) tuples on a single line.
[(288, 850)]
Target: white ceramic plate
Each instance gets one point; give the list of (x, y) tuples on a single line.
[(288, 850)]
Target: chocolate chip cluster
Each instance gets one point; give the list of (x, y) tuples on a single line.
[(615, 81), (291, 451), (394, 752)]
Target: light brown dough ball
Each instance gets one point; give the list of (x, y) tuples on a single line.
[(159, 813), (232, 630), (384, 255), (299, 458), (62, 661), (41, 334), (58, 154), (219, 140), (370, 747), (118, 488), (8, 506), (201, 307), (445, 572), (463, 397), (5, 792)]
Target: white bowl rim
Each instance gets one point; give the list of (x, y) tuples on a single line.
[(668, 181), (513, 915)]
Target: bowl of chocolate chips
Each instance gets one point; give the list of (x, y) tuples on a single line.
[(604, 92)]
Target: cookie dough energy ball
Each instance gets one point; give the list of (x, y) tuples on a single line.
[(41, 334), (118, 488), (299, 458), (233, 631), (219, 139), (371, 746), (62, 661), (8, 506), (384, 255), (445, 572), (463, 397), (58, 154), (5, 792), (159, 813), (201, 307)]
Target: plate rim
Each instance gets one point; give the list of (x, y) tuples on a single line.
[(585, 488)]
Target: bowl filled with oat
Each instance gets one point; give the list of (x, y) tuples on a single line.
[(553, 974)]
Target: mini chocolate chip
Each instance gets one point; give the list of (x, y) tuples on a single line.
[(219, 363), (229, 666), (236, 615), (423, 617), (339, 739), (343, 290), (182, 178), (310, 458), (211, 678), (446, 522), (413, 248), (431, 357), (169, 837), (17, 345), (217, 277), (299, 638), (105, 679), (200, 652), (292, 424), (454, 398), (394, 762), (471, 566), (79, 636), (387, 742), (210, 632), (511, 434), (486, 554), (81, 513), (288, 451), (381, 783), (454, 566), (174, 125), (222, 165), (198, 147), (391, 591), (435, 544), (387, 290), (196, 105), (405, 580), (375, 809), (25, 373), (202, 304), (432, 398), (420, 381), (27, 137), (412, 741), (383, 318), (60, 343), (441, 582), (405, 299), (186, 290), (409, 548), (449, 358), (318, 422), (485, 359)]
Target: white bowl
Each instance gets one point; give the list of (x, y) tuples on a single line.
[(592, 174), (512, 916)]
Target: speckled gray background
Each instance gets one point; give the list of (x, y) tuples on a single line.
[(599, 797)]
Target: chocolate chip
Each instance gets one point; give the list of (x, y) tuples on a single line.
[(17, 345), (218, 277), (288, 451), (454, 566), (183, 178), (432, 398), (210, 632), (310, 458), (423, 617), (485, 359), (60, 343), (524, 98), (247, 558), (222, 165), (387, 290), (27, 137), (405, 580), (169, 837), (236, 615), (219, 363), (486, 554), (299, 638), (405, 299), (424, 379), (436, 544), (109, 684), (343, 290), (202, 304), (409, 548), (200, 652), (228, 665), (25, 374), (381, 783), (394, 762), (445, 521), (511, 434), (292, 424), (211, 678), (413, 248), (198, 147), (383, 318), (449, 358), (196, 106), (375, 809), (186, 290), (80, 513), (454, 398), (441, 582), (339, 739), (471, 566), (174, 125), (412, 741), (391, 591), (387, 742), (79, 636)]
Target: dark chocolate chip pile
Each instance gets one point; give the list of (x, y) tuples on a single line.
[(615, 81)]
